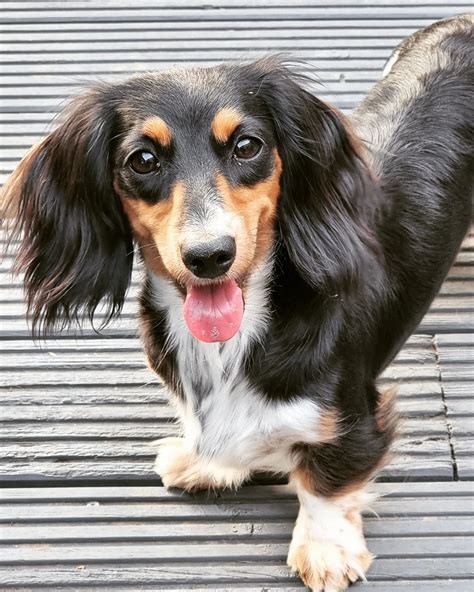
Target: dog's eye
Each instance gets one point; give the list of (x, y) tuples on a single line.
[(143, 162), (247, 148)]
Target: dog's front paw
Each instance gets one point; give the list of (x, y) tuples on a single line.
[(179, 466), (173, 463), (325, 566)]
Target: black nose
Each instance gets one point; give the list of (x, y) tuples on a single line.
[(210, 260)]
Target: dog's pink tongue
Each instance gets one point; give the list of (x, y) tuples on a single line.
[(214, 312)]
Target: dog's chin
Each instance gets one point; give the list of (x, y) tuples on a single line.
[(213, 310)]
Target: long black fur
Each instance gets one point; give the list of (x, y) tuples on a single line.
[(76, 249)]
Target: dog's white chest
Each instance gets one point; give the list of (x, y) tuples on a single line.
[(223, 417), (228, 421)]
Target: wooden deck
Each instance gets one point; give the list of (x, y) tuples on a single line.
[(80, 506)]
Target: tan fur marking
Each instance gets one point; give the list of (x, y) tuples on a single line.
[(386, 416), (156, 228), (157, 129), (11, 189), (386, 421), (304, 479), (224, 124), (327, 428), (257, 206)]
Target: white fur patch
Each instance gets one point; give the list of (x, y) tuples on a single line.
[(232, 424), (390, 63), (328, 549)]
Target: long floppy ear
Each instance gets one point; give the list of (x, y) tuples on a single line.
[(75, 242), (327, 202)]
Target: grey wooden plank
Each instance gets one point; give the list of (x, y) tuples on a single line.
[(221, 573), (84, 395), (186, 507), (462, 271), (323, 11), (458, 372), (26, 40), (180, 55), (447, 322), (91, 347), (114, 470), (118, 376), (375, 586), (42, 413), (174, 42), (465, 257), (465, 466), (210, 531), (63, 554), (71, 450), (453, 340), (461, 425), (454, 303), (463, 447), (155, 494), (213, 4), (110, 430), (462, 407), (300, 26), (459, 287), (454, 389), (457, 355)]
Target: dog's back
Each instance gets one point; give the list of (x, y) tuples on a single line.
[(418, 127)]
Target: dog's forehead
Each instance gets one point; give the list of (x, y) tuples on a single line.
[(186, 97)]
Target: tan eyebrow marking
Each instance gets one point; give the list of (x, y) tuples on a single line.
[(224, 123), (157, 129)]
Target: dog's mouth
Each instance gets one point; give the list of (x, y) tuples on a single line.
[(214, 312)]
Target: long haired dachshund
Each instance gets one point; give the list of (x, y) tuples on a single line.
[(289, 254)]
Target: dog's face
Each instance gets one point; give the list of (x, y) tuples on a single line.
[(198, 173), (206, 169)]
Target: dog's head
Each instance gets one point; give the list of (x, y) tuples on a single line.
[(208, 170)]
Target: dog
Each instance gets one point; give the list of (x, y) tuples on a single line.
[(289, 253)]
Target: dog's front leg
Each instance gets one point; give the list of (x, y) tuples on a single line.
[(179, 465), (328, 549)]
